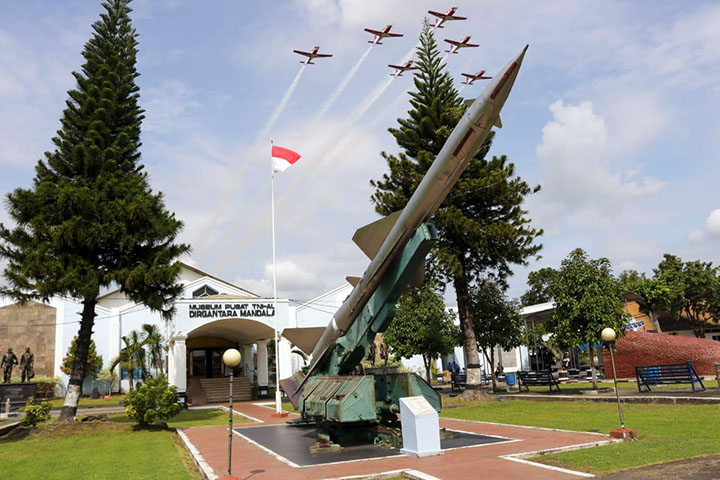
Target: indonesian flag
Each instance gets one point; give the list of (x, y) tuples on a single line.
[(282, 158)]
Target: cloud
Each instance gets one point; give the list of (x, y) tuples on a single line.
[(166, 107), (712, 224), (712, 229), (574, 158), (293, 280), (696, 236)]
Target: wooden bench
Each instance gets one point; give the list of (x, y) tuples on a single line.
[(527, 379), (669, 374)]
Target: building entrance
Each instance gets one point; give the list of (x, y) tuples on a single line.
[(206, 363)]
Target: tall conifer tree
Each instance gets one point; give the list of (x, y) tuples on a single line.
[(90, 219), (482, 226)]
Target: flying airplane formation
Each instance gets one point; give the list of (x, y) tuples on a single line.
[(470, 77), (380, 34), (444, 17), (455, 46), (400, 69), (312, 55)]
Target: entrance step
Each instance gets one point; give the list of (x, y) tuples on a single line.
[(218, 389), (196, 394)]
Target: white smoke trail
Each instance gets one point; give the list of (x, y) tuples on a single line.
[(340, 88), (281, 106), (251, 156), (326, 147)]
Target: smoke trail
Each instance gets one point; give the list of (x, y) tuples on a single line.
[(281, 106), (340, 88), (329, 144), (262, 136)]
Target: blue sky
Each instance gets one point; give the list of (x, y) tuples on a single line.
[(614, 113)]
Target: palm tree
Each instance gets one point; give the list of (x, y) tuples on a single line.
[(132, 355), (153, 340)]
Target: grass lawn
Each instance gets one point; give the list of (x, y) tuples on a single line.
[(88, 402), (98, 450), (286, 406), (191, 418), (667, 432)]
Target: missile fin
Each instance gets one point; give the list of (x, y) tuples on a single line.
[(353, 280), (370, 237), (498, 122)]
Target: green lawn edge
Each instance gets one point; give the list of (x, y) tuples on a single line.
[(667, 432)]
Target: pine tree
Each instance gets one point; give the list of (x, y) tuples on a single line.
[(90, 219), (482, 226)]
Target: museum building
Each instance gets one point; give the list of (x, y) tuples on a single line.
[(211, 316)]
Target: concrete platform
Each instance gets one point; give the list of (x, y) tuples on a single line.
[(500, 460), (292, 443)]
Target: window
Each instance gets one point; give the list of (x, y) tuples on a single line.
[(204, 291)]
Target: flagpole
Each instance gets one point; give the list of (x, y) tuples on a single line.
[(278, 395)]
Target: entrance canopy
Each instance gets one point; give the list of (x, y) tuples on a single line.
[(240, 330)]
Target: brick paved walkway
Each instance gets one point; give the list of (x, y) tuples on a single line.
[(250, 461)]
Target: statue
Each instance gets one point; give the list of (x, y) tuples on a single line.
[(9, 360), (27, 366)]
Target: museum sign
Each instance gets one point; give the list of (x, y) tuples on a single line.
[(230, 310)]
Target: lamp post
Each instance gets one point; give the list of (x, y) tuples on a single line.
[(231, 358), (608, 335)]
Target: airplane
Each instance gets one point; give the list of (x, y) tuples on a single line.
[(456, 46), (312, 55), (400, 69), (444, 17), (470, 78), (380, 34)]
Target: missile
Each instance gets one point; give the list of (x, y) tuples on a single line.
[(383, 240)]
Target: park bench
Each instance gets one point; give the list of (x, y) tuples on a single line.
[(669, 374), (459, 380), (547, 379)]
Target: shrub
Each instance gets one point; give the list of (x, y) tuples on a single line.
[(47, 386), (36, 414), (154, 400), (94, 361)]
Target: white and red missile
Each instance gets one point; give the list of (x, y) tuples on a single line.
[(463, 143)]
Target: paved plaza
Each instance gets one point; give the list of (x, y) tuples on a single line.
[(502, 460)]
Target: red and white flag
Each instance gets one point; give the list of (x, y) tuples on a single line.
[(282, 158)]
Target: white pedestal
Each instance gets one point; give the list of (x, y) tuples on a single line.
[(420, 427)]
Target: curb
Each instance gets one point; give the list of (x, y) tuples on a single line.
[(523, 456), (202, 464), (626, 399)]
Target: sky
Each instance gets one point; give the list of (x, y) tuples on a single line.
[(613, 114)]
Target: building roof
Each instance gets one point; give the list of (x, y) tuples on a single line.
[(202, 274)]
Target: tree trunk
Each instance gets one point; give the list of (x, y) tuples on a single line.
[(79, 366), (591, 358), (654, 320), (427, 361), (474, 373), (492, 368)]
